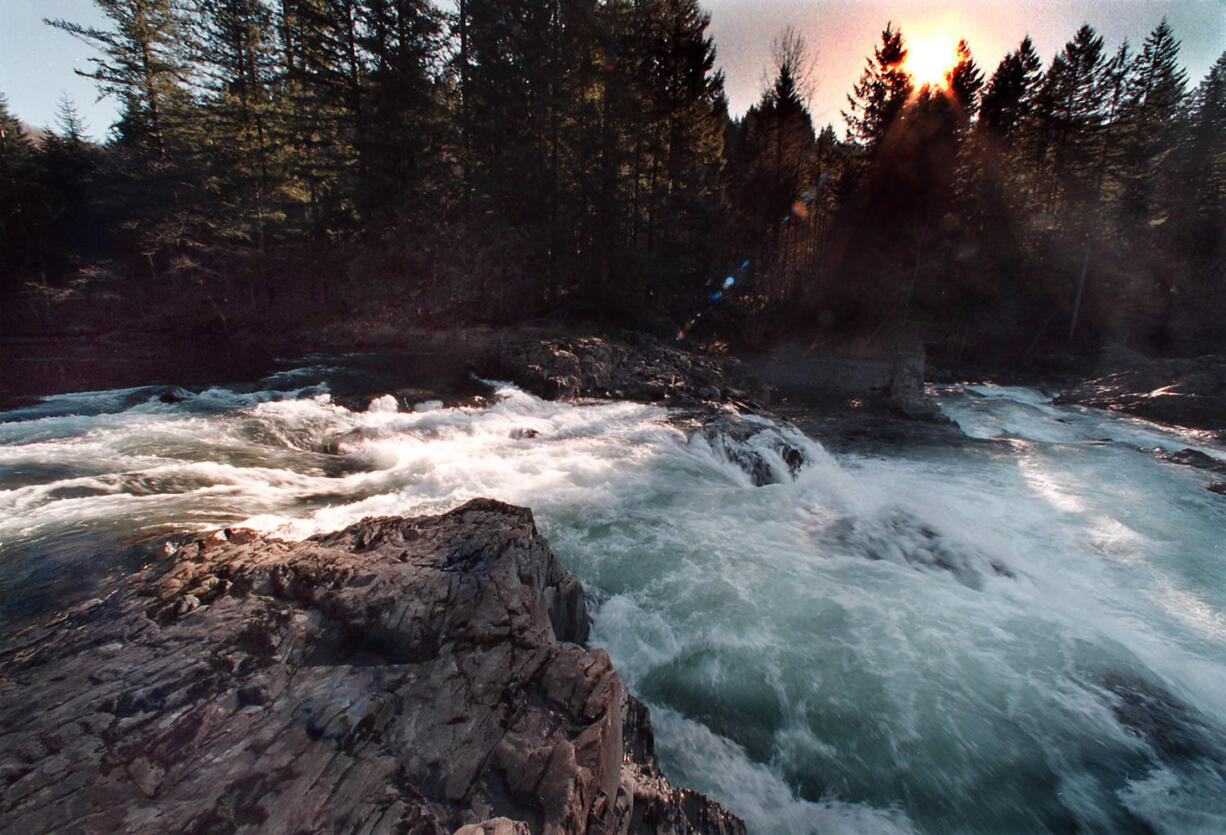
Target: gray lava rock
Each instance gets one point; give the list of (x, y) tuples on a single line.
[(412, 675)]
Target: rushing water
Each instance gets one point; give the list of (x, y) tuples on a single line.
[(1020, 631)]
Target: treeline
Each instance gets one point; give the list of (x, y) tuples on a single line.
[(487, 160), (490, 160), (1036, 206)]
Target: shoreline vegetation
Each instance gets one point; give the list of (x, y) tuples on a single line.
[(371, 166)]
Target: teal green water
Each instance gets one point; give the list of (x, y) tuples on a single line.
[(1021, 632)]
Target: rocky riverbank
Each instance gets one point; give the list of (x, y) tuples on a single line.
[(417, 675), (634, 367), (1178, 392)]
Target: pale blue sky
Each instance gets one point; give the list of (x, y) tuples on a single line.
[(37, 62)]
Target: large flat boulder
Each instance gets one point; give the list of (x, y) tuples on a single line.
[(413, 675)]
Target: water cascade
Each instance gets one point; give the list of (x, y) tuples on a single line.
[(1023, 631)]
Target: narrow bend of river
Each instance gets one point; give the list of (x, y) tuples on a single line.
[(1023, 631)]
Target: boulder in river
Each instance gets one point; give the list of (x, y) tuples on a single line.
[(636, 367), (907, 395), (420, 675)]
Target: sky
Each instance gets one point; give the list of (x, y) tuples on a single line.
[(842, 33), (37, 62)]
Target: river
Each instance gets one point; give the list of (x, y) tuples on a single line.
[(1021, 630)]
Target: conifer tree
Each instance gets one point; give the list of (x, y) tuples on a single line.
[(1157, 84), (1069, 118), (68, 166), (1206, 152), (965, 81), (878, 98), (1008, 98), (323, 79), (141, 63), (235, 56), (687, 113), (17, 197), (774, 165), (401, 38)]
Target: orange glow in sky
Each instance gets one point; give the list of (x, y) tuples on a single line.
[(929, 58)]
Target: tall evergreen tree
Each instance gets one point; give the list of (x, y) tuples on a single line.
[(141, 63), (1008, 98), (71, 231), (878, 98), (1157, 84), (237, 61), (18, 193), (687, 113), (403, 143), (773, 165), (965, 81), (1069, 117), (323, 78), (1206, 154)]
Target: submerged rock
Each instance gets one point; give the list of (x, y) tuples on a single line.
[(419, 675), (637, 368), (896, 536)]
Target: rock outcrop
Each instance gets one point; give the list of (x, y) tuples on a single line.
[(1179, 392), (417, 675), (762, 451), (637, 367), (907, 395)]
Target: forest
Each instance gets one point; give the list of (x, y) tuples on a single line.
[(280, 163)]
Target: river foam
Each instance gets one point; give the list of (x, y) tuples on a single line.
[(1025, 633)]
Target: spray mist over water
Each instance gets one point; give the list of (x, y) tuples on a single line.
[(1024, 632)]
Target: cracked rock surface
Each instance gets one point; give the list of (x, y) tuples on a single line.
[(412, 675)]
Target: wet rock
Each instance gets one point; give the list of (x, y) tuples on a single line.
[(907, 395), (1192, 458), (636, 367), (765, 454), (898, 537), (1199, 460), (1180, 392), (421, 675), (1174, 729)]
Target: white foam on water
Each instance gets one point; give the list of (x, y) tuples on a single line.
[(1024, 633)]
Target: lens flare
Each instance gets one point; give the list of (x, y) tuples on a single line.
[(799, 210)]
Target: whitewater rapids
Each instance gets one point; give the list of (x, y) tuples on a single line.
[(1023, 631)]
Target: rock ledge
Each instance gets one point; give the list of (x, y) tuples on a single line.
[(635, 367), (417, 675)]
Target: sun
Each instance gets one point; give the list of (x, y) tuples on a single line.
[(929, 59)]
